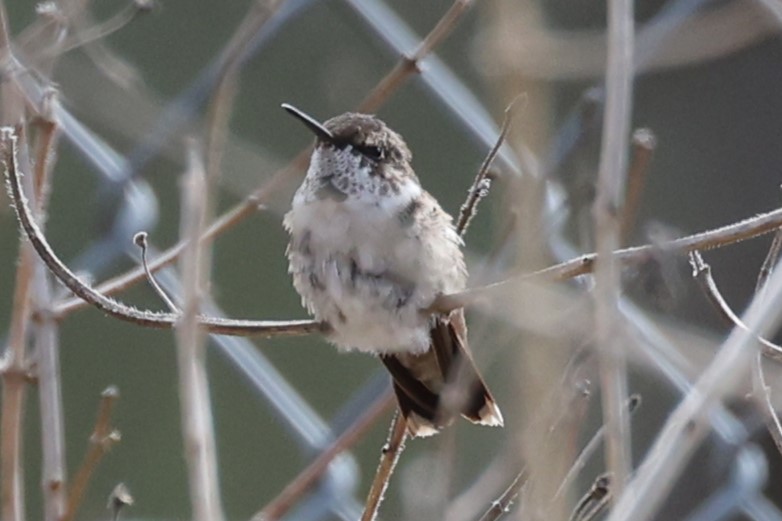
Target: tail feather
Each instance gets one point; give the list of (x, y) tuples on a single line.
[(420, 382)]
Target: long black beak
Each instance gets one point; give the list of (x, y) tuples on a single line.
[(314, 125)]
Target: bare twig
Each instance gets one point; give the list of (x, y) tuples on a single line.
[(591, 447), (410, 65), (716, 238), (762, 390), (702, 273), (47, 332), (101, 441), (644, 145), (140, 240), (502, 505), (770, 261), (118, 310), (595, 501), (195, 403), (14, 364), (280, 505), (608, 201), (391, 452), (98, 31), (759, 386), (480, 186)]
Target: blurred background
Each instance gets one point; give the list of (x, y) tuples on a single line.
[(707, 86)]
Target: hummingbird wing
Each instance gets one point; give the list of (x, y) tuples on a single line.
[(419, 381), (470, 395)]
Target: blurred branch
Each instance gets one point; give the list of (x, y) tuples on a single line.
[(390, 456), (607, 231), (101, 441), (633, 402), (195, 403), (666, 42), (14, 370), (595, 501), (502, 505), (410, 65), (644, 144), (307, 478), (47, 345)]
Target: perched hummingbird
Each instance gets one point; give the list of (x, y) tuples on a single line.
[(369, 251)]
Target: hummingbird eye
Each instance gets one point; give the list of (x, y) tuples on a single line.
[(373, 152)]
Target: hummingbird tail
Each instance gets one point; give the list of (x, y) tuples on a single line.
[(433, 387)]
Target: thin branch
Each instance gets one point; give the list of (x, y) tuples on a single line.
[(716, 238), (391, 452), (595, 501), (759, 385), (608, 227), (770, 261), (195, 403), (47, 347), (118, 310), (761, 388), (410, 65), (633, 402), (140, 240), (644, 144), (701, 271), (307, 478), (102, 440), (502, 505), (482, 183), (14, 377), (98, 31)]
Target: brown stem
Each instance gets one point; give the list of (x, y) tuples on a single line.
[(102, 439), (644, 144), (391, 452), (481, 184), (702, 273), (282, 504)]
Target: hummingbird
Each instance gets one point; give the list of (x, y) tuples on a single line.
[(369, 252)]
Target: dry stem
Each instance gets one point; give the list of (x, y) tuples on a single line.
[(502, 505), (610, 189), (14, 364), (280, 505), (195, 404), (102, 439), (391, 452)]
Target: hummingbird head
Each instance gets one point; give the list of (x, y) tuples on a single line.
[(360, 147)]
